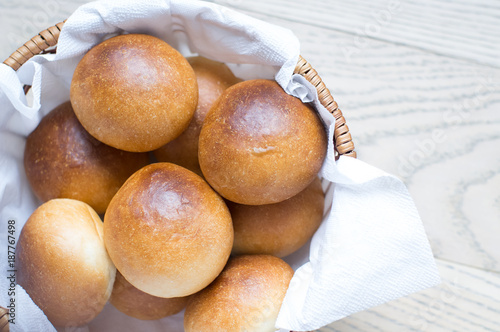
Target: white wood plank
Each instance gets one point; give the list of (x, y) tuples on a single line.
[(467, 300), (466, 29)]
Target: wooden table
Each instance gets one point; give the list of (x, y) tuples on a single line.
[(419, 84)]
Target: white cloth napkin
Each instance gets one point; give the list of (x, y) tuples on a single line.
[(371, 247)]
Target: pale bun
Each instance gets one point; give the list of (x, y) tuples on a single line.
[(168, 233), (247, 296), (135, 303), (134, 92), (213, 78), (259, 145), (62, 160), (278, 229), (62, 262)]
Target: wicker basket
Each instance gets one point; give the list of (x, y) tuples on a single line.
[(46, 41), (342, 138)]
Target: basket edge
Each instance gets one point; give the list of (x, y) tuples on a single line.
[(342, 137)]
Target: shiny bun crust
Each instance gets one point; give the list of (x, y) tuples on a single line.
[(281, 228), (247, 296), (213, 79), (259, 145), (134, 92), (62, 262), (62, 160), (135, 303), (168, 233)]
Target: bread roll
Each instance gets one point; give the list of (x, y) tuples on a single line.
[(247, 296), (168, 233), (140, 305), (213, 78), (134, 92), (259, 145), (62, 262), (278, 229), (62, 160)]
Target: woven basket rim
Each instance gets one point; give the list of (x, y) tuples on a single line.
[(47, 39)]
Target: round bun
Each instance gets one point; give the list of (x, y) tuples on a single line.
[(168, 233), (140, 305), (247, 296), (259, 145), (134, 92), (62, 160), (62, 262), (278, 229), (213, 78)]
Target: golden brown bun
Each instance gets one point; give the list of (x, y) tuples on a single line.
[(140, 305), (134, 92), (278, 229), (259, 145), (168, 233), (213, 78), (247, 296), (62, 262), (62, 160)]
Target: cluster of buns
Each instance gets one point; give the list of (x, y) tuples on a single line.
[(205, 182)]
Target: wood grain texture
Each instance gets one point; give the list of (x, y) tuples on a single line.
[(465, 29), (467, 300)]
